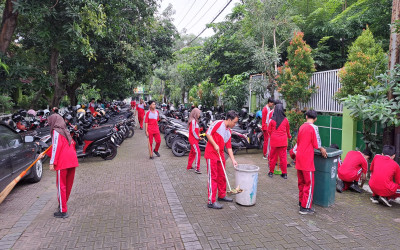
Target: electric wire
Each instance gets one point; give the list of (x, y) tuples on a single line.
[(191, 20), (203, 15), (187, 12), (211, 22)]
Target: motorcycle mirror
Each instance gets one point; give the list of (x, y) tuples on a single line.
[(29, 138)]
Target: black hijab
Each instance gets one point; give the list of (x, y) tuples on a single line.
[(279, 114)]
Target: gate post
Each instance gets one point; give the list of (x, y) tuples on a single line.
[(349, 132)]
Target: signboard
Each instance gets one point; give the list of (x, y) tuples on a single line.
[(138, 90)]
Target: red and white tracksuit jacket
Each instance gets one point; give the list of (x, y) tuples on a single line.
[(353, 165), (307, 140), (140, 111), (385, 177), (216, 177), (63, 157), (267, 113), (152, 119), (278, 143), (194, 138)]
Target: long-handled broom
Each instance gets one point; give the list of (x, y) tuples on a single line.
[(231, 191), (10, 186)]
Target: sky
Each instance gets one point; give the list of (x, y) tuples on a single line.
[(193, 15)]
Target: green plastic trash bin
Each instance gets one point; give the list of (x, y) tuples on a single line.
[(325, 176)]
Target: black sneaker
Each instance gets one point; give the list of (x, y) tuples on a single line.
[(354, 187), (215, 205), (284, 176), (339, 185), (61, 215), (384, 201), (226, 199), (289, 165), (197, 171), (299, 203), (151, 158), (306, 210), (156, 152), (374, 199), (270, 174)]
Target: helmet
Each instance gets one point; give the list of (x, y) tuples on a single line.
[(46, 112), (32, 112), (80, 115), (68, 117), (40, 112), (81, 111), (259, 114), (251, 116), (102, 112), (243, 112), (83, 106), (16, 117), (22, 112), (78, 106)]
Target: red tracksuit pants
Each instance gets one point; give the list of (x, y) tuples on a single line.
[(157, 138), (306, 187), (216, 180), (141, 118), (194, 156), (64, 182), (348, 180), (280, 152), (394, 195), (266, 147)]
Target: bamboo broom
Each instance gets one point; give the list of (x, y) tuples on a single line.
[(10, 186)]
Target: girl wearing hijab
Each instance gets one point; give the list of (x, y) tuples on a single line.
[(63, 160), (279, 131), (194, 138)]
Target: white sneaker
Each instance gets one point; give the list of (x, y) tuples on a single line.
[(374, 199), (265, 157), (384, 201)]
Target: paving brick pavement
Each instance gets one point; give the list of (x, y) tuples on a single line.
[(132, 202)]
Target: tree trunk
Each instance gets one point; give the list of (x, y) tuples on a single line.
[(36, 99), (392, 136), (8, 25), (58, 90), (71, 92), (276, 52)]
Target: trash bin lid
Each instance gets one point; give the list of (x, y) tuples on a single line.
[(246, 168), (331, 152)]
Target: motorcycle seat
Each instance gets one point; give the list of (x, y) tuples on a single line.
[(241, 131), (96, 134)]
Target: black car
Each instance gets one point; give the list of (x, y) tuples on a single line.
[(16, 154)]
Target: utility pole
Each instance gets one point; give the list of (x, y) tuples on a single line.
[(394, 58)]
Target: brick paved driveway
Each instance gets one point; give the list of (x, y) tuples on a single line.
[(132, 203)]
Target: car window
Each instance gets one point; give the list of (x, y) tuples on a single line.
[(8, 138)]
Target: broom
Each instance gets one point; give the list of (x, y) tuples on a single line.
[(10, 186), (231, 191)]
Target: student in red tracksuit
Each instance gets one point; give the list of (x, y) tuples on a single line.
[(133, 104), (194, 138), (307, 139), (279, 132), (219, 136), (354, 168), (140, 112), (63, 160), (265, 119), (152, 130), (385, 177), (92, 106)]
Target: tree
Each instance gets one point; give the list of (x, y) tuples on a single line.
[(365, 61), (234, 91)]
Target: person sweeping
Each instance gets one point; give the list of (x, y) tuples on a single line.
[(151, 127), (140, 112), (219, 136), (279, 132), (194, 138), (63, 160)]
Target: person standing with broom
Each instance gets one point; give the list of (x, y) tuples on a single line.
[(219, 136), (63, 160)]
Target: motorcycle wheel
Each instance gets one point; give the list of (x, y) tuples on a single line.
[(113, 152), (162, 128), (131, 132), (169, 139), (176, 150)]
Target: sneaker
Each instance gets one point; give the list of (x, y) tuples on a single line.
[(270, 174), (299, 203), (265, 157), (289, 165), (151, 157), (197, 171), (284, 176), (156, 152), (354, 187), (306, 210), (339, 185), (374, 199), (61, 215), (226, 199), (215, 205), (384, 201)]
